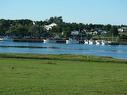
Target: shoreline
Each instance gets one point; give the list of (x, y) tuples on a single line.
[(67, 57)]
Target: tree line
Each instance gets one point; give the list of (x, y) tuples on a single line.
[(29, 28)]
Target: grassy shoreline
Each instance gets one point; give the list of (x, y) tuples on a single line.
[(67, 57), (34, 74)]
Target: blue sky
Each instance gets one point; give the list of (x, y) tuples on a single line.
[(85, 11)]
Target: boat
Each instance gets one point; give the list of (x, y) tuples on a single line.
[(97, 42), (90, 42), (45, 41), (86, 42), (49, 40), (1, 39), (7, 39), (54, 40), (72, 41), (103, 42)]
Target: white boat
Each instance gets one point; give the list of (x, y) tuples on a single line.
[(102, 42), (49, 41), (44, 41), (86, 42), (97, 42), (72, 41), (1, 39), (6, 38), (90, 42)]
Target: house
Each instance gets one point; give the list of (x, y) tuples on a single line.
[(50, 26), (123, 31), (95, 33), (75, 32)]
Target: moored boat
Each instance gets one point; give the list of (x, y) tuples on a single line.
[(72, 41), (49, 40), (54, 40), (1, 39), (86, 42), (90, 42)]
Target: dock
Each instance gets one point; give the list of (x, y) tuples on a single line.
[(28, 40)]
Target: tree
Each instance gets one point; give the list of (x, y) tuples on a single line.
[(57, 20), (20, 31), (36, 31), (114, 31)]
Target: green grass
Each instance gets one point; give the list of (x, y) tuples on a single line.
[(26, 74)]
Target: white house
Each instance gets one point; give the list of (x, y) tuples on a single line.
[(50, 26), (74, 32), (123, 29)]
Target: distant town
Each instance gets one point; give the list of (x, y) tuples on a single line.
[(55, 29)]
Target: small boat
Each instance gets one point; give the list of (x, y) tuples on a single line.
[(90, 42), (7, 39), (1, 39), (86, 42), (102, 42), (45, 41), (72, 41), (54, 40), (97, 42), (49, 40)]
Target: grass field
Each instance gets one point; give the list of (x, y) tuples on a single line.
[(26, 74)]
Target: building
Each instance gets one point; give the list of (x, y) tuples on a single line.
[(75, 32), (50, 26), (123, 31)]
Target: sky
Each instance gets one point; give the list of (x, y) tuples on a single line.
[(80, 11)]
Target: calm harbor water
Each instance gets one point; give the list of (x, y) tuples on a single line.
[(116, 51)]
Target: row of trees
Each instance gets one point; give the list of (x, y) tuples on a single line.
[(29, 28)]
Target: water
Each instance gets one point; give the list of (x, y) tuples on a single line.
[(116, 51)]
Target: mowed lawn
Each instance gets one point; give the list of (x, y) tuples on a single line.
[(61, 75)]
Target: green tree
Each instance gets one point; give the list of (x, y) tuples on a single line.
[(114, 31)]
